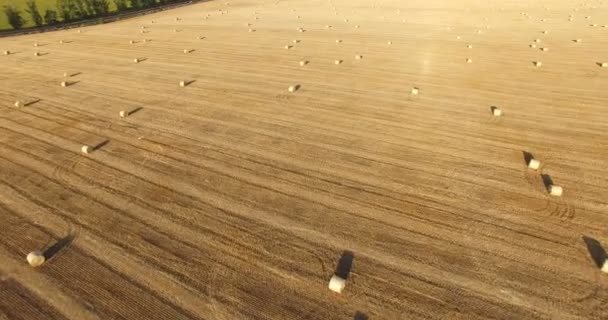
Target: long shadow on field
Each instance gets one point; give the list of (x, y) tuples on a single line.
[(345, 264), (100, 144), (360, 316), (71, 83), (527, 157), (29, 103), (58, 246), (597, 252), (547, 181), (134, 110)]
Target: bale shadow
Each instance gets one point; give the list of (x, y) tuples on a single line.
[(133, 111), (99, 145), (345, 264), (29, 103), (596, 251), (360, 316), (71, 83), (75, 74), (189, 82), (141, 59), (63, 243), (40, 54), (528, 156), (547, 181), (600, 64)]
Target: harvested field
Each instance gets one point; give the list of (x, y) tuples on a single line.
[(235, 197)]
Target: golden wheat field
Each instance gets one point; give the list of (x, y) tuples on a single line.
[(266, 146)]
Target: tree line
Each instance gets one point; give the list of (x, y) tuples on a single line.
[(75, 10)]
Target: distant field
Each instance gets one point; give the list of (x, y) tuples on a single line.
[(233, 197), (43, 5)]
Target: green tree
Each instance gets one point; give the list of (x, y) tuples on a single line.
[(121, 5), (32, 9), (80, 10), (14, 17), (101, 7), (50, 17), (137, 4), (62, 9)]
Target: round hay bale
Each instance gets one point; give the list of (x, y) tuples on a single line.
[(532, 46), (358, 57), (293, 88), (64, 84), (287, 47), (605, 267), (556, 191), (338, 41), (182, 84), (538, 63), (544, 49), (470, 46), (36, 44), (60, 41), (36, 54), (577, 40), (415, 90), (18, 104), (537, 40), (338, 62), (303, 63), (469, 60), (295, 41), (337, 284), (533, 164), (35, 258), (496, 111), (389, 43), (136, 60), (604, 64), (123, 114), (6, 52), (131, 42), (186, 51), (65, 74), (86, 149)]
